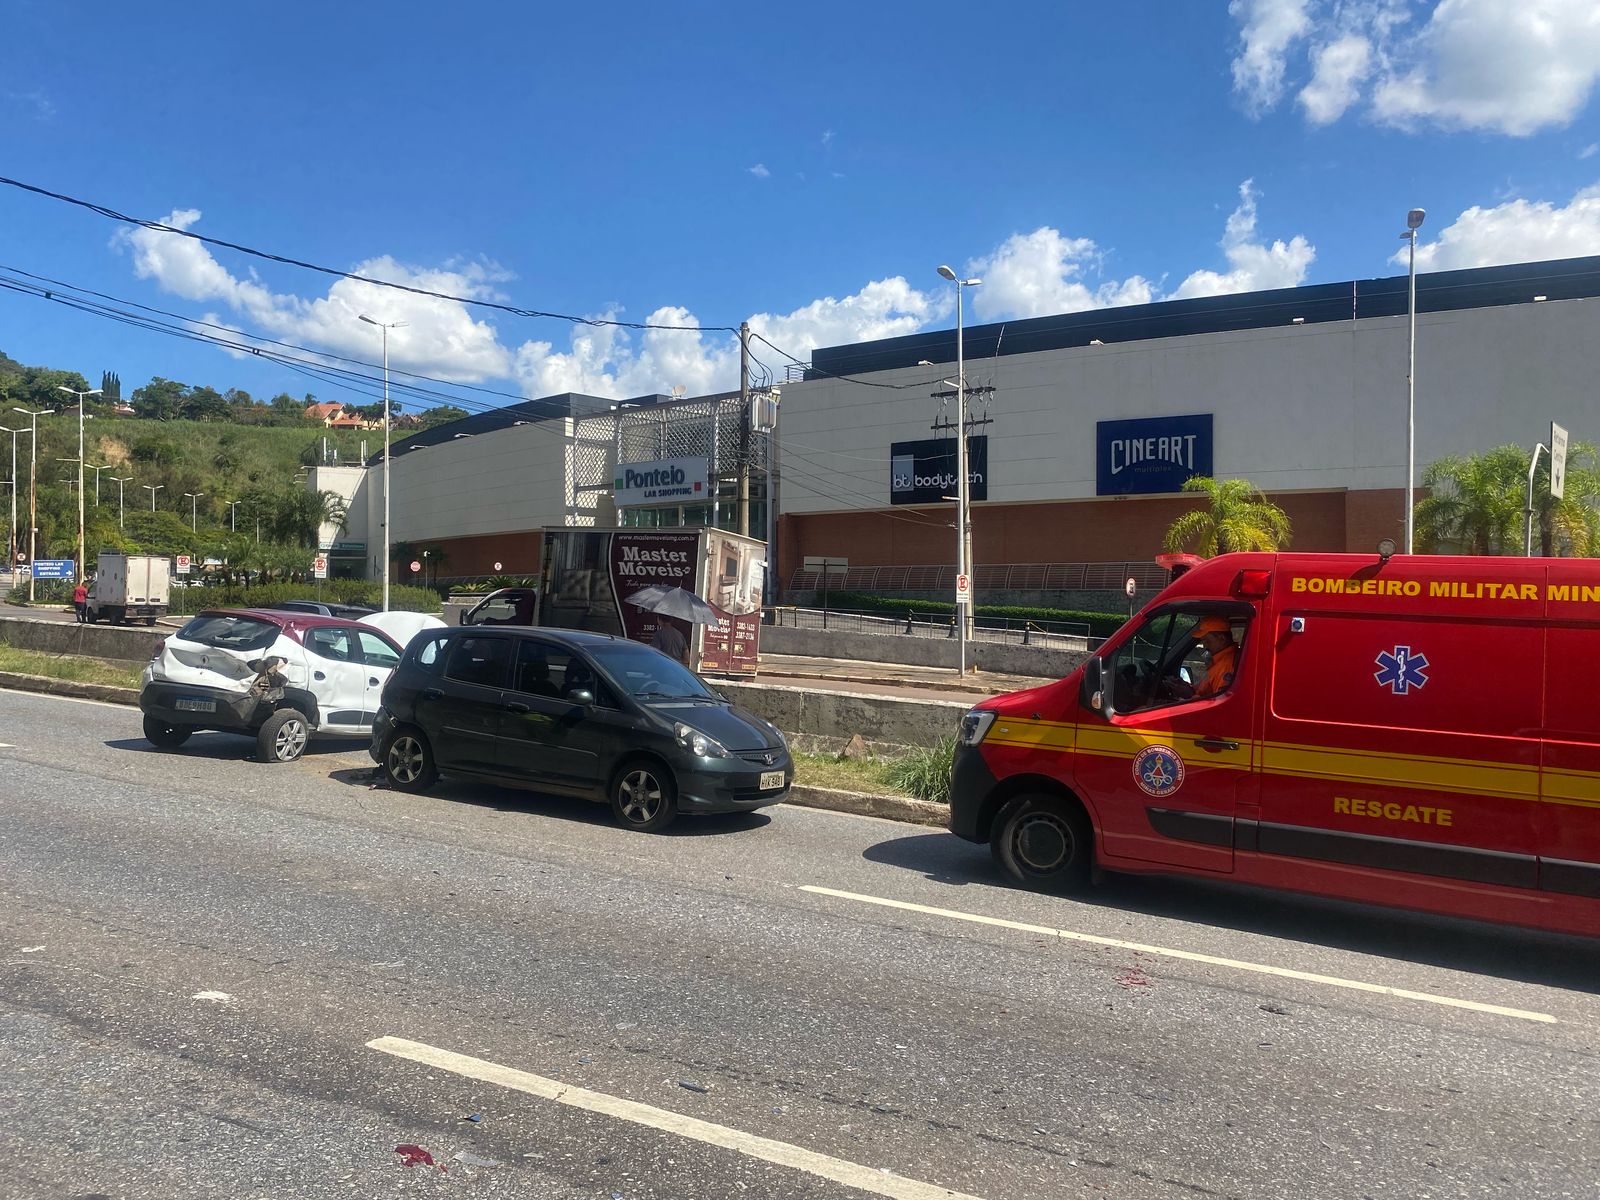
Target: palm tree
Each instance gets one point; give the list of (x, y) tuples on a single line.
[(1477, 503), (1239, 517)]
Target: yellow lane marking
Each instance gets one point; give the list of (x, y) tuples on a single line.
[(1190, 956), (854, 1175)]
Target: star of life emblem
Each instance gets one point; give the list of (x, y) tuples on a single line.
[(1401, 670)]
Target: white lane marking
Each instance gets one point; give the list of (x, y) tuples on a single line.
[(29, 949), (6, 746), (219, 997), (67, 699), (854, 1175), (1190, 956)]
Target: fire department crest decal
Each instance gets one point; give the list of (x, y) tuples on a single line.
[(1158, 771)]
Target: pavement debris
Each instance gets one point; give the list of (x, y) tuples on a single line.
[(469, 1159), (689, 1085), (1273, 1009), (412, 1155), (473, 1117)]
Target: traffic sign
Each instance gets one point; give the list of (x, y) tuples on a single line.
[(963, 590), (184, 563), (54, 568), (415, 566), (497, 566), (1558, 460), (1130, 587), (319, 567)]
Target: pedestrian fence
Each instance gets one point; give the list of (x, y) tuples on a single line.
[(989, 577), (1054, 635)]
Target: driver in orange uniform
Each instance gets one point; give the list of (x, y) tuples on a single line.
[(1215, 636)]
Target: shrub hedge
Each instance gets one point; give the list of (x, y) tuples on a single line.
[(334, 591), (1101, 624)]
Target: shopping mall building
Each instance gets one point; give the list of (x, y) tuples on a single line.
[(1083, 428)]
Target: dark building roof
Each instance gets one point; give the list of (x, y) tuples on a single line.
[(546, 408), (1439, 291)]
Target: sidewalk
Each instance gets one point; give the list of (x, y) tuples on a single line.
[(891, 679)]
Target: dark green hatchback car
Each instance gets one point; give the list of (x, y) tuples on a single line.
[(577, 714)]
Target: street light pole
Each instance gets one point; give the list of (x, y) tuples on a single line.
[(964, 608), (1414, 220), (153, 490), (194, 509), (11, 549), (33, 488), (385, 326), (97, 468), (82, 396), (233, 516), (119, 480)]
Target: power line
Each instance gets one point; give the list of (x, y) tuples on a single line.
[(159, 227)]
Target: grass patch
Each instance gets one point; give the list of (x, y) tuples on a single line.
[(68, 666), (845, 775), (925, 773)]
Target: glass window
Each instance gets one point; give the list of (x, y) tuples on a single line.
[(480, 660), (230, 633), (377, 652), (426, 651), (332, 642), (648, 674), (1176, 657)]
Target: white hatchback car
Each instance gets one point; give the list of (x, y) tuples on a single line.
[(280, 677)]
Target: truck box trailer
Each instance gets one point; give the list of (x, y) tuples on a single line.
[(130, 587)]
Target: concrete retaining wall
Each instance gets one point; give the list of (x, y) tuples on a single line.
[(115, 642), (882, 720), (920, 651)]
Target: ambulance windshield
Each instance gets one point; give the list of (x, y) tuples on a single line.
[(1177, 657)]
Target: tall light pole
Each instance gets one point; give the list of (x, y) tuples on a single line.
[(97, 468), (119, 480), (82, 396), (1414, 220), (964, 606), (11, 550), (33, 487), (152, 490), (233, 515), (385, 326), (194, 509)]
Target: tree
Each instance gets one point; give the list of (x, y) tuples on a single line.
[(1477, 503), (111, 387), (1238, 517), (206, 404), (159, 400), (441, 414)]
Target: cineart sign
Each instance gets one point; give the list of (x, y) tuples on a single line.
[(1151, 454), (925, 472), (664, 481)]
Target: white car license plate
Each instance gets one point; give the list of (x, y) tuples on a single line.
[(186, 704), (771, 779)]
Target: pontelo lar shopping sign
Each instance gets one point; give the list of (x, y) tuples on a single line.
[(663, 481)]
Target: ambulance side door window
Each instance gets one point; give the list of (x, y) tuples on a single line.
[(1168, 661)]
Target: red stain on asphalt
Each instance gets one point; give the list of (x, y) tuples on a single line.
[(1133, 977), (416, 1156)]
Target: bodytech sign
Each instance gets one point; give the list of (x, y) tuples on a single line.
[(924, 472), (664, 481)]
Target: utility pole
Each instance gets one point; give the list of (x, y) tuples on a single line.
[(33, 488), (194, 509), (152, 491), (83, 403), (744, 428), (11, 549)]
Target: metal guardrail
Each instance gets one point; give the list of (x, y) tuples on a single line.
[(994, 577), (1060, 635)]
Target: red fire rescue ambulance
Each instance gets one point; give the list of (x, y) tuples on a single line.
[(1415, 731)]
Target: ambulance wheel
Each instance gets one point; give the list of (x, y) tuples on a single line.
[(1044, 842)]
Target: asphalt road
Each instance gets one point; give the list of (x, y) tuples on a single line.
[(221, 978)]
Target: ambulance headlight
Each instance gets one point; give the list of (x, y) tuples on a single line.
[(974, 724)]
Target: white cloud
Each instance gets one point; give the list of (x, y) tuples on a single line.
[(607, 361), (1036, 274), (442, 338), (827, 137), (1509, 66), (1589, 150), (1513, 232), (1338, 69), (1503, 66), (1268, 29), (759, 171), (1256, 265)]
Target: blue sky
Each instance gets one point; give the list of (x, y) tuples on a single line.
[(806, 168)]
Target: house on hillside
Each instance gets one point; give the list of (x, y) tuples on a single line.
[(326, 413)]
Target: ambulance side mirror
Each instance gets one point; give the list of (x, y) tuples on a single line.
[(1095, 692)]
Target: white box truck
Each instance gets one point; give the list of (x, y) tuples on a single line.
[(129, 587)]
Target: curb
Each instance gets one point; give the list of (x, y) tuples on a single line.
[(861, 804), (106, 692)]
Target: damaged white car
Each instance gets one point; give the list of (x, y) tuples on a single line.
[(280, 677)]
